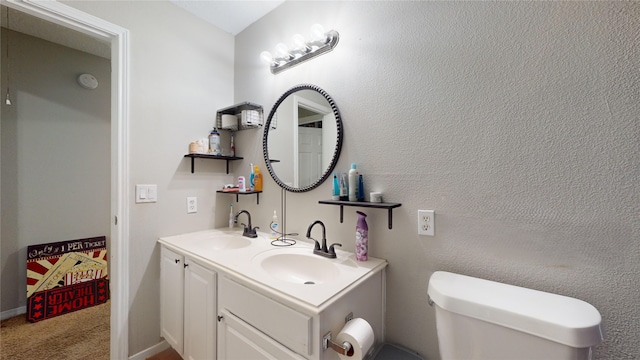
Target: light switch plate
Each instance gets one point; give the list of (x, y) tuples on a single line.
[(146, 193)]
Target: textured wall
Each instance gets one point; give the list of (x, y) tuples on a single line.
[(517, 122)]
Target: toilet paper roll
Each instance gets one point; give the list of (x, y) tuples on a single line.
[(229, 122), (359, 334)]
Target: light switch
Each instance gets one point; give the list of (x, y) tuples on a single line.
[(152, 193), (146, 193)]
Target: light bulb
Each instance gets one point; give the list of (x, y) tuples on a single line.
[(318, 33), (283, 50), (266, 57), (301, 46), (298, 40)]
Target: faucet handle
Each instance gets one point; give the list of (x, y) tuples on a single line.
[(317, 243), (332, 250)]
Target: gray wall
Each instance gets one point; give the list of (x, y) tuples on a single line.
[(181, 72), (517, 122), (55, 153)]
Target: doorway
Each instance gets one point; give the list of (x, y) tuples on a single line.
[(118, 38)]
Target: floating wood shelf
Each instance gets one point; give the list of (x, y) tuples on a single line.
[(242, 193), (213, 157), (342, 204)]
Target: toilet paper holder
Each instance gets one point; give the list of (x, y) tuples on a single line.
[(343, 349)]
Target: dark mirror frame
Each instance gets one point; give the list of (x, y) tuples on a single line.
[(336, 152)]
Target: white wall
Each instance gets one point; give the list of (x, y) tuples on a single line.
[(181, 73), (55, 153), (516, 121)]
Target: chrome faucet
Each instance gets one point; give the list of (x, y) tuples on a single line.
[(248, 231), (322, 250)]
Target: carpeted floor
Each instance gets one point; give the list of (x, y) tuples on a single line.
[(82, 334)]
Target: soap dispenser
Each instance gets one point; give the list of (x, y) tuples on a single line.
[(274, 227)]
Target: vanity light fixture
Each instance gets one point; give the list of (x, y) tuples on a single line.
[(321, 42)]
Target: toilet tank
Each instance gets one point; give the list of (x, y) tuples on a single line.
[(482, 319)]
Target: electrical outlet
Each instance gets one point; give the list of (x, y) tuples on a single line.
[(426, 222), (192, 204)]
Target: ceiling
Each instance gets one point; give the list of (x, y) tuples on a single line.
[(24, 23), (230, 16)]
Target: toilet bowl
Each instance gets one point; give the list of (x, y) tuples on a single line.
[(482, 319)]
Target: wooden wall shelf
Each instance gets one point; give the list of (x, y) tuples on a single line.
[(342, 204)]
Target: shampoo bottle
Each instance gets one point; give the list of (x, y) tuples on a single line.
[(360, 188), (274, 227), (252, 179), (257, 179), (362, 237), (353, 183), (335, 195)]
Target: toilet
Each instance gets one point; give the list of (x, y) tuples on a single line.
[(482, 319)]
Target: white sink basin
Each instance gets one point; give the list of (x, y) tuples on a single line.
[(297, 266), (218, 242)]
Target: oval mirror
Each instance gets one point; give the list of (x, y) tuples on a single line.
[(302, 138)]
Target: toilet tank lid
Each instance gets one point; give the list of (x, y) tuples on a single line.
[(554, 317)]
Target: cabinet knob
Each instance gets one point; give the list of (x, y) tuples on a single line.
[(220, 317), (177, 261), (186, 265)]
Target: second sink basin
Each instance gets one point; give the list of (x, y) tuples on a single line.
[(297, 266), (218, 242)]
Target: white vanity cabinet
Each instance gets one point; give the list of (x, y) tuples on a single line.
[(188, 306), (223, 298), (255, 325)]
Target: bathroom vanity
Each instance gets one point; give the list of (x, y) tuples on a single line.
[(230, 297)]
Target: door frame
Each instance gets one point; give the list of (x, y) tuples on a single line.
[(118, 37)]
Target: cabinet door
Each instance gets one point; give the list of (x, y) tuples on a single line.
[(199, 312), (171, 298), (238, 340)]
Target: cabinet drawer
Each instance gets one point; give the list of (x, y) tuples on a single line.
[(287, 326)]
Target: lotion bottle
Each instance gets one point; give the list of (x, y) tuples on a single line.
[(214, 142), (353, 183)]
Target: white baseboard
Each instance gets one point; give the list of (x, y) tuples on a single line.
[(13, 312), (142, 355)]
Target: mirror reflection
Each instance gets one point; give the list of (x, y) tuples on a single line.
[(302, 138)]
